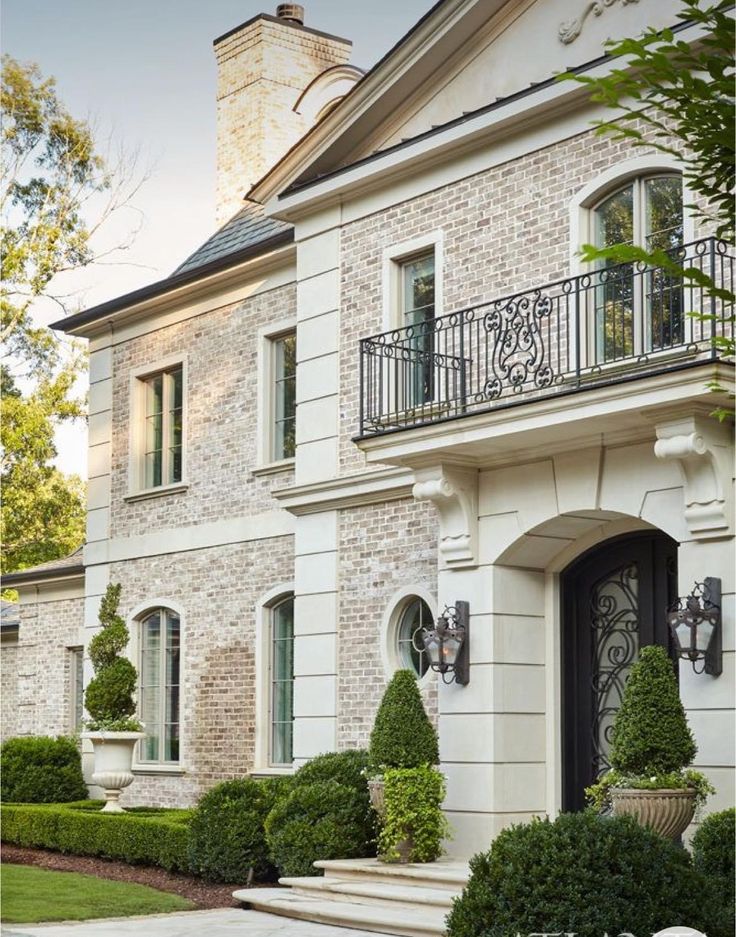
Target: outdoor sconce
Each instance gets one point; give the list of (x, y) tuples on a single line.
[(447, 644), (695, 622)]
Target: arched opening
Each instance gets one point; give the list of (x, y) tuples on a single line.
[(614, 599)]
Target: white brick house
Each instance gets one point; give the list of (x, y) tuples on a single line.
[(285, 502)]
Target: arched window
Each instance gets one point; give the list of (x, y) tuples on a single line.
[(159, 637), (413, 615), (638, 311), (281, 710)]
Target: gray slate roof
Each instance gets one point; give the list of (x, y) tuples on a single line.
[(246, 228), (9, 616), (73, 562)]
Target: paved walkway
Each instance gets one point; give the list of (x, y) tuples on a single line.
[(227, 922)]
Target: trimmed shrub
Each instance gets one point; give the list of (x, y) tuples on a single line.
[(402, 736), (109, 694), (346, 768), (713, 855), (581, 873), (40, 770), (321, 820), (413, 798), (144, 840), (227, 839), (650, 733)]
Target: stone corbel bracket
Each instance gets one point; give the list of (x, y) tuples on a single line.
[(703, 450), (454, 493)]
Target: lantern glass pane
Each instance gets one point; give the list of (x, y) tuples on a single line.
[(704, 633), (682, 636)]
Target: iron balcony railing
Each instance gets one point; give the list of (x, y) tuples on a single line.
[(602, 327)]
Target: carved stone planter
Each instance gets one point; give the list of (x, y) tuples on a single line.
[(113, 753), (376, 789), (667, 812)]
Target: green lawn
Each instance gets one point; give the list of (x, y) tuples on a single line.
[(30, 895)]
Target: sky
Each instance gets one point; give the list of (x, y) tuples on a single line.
[(143, 72)]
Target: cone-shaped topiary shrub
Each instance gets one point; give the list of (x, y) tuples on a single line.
[(402, 736), (650, 733), (109, 695)]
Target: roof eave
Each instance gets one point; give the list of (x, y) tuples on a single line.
[(29, 577)]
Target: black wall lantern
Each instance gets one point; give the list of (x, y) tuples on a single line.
[(695, 622), (447, 643)]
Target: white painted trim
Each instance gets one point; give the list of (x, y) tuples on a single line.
[(392, 259), (134, 622), (137, 423), (390, 626), (265, 397), (264, 605)]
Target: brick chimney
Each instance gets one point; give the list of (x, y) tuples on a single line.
[(263, 67)]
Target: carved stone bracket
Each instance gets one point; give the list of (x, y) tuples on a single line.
[(702, 448), (570, 30), (454, 493)]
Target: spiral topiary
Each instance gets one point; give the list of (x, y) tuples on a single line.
[(109, 695)]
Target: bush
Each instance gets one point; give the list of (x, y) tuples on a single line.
[(583, 874), (227, 839), (109, 694), (40, 770), (321, 820), (402, 736), (137, 839), (346, 768), (650, 733), (713, 855), (413, 797)]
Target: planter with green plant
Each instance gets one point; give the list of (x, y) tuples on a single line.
[(651, 751), (403, 738), (112, 726)]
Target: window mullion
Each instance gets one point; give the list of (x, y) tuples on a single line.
[(162, 688), (166, 399)]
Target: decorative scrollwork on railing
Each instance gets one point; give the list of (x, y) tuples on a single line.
[(517, 360)]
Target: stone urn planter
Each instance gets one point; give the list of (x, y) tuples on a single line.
[(376, 790), (667, 812), (113, 754)]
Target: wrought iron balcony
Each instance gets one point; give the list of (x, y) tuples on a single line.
[(613, 324)]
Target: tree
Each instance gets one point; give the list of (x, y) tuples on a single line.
[(678, 97), (56, 194)]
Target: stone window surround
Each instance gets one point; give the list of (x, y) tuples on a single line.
[(390, 622), (137, 423), (392, 260), (134, 620), (262, 765), (267, 334)]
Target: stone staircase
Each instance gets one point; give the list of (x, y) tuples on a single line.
[(406, 900)]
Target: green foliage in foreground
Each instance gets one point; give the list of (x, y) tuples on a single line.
[(582, 874), (413, 798), (402, 736), (141, 838), (713, 855), (31, 894), (38, 769)]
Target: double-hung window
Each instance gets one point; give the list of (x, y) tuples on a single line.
[(162, 456), (282, 682), (283, 397), (160, 666)]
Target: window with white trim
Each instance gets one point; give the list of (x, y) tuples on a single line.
[(281, 682), (413, 615), (76, 687), (159, 685), (162, 438), (283, 397)]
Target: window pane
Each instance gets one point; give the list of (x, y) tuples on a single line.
[(153, 469), (282, 681), (416, 615), (614, 297), (663, 212), (155, 394), (614, 219), (418, 276), (160, 662), (284, 402), (77, 687)]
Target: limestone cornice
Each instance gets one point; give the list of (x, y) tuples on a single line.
[(702, 448), (347, 491)]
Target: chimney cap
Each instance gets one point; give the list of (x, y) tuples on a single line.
[(294, 12)]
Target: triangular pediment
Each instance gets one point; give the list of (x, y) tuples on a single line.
[(462, 56)]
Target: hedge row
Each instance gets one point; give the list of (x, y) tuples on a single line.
[(144, 838)]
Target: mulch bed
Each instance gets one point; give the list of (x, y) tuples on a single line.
[(203, 894)]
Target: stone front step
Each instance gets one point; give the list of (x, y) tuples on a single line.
[(336, 889), (382, 919), (405, 900)]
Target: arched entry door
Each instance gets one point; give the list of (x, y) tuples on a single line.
[(614, 601)]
